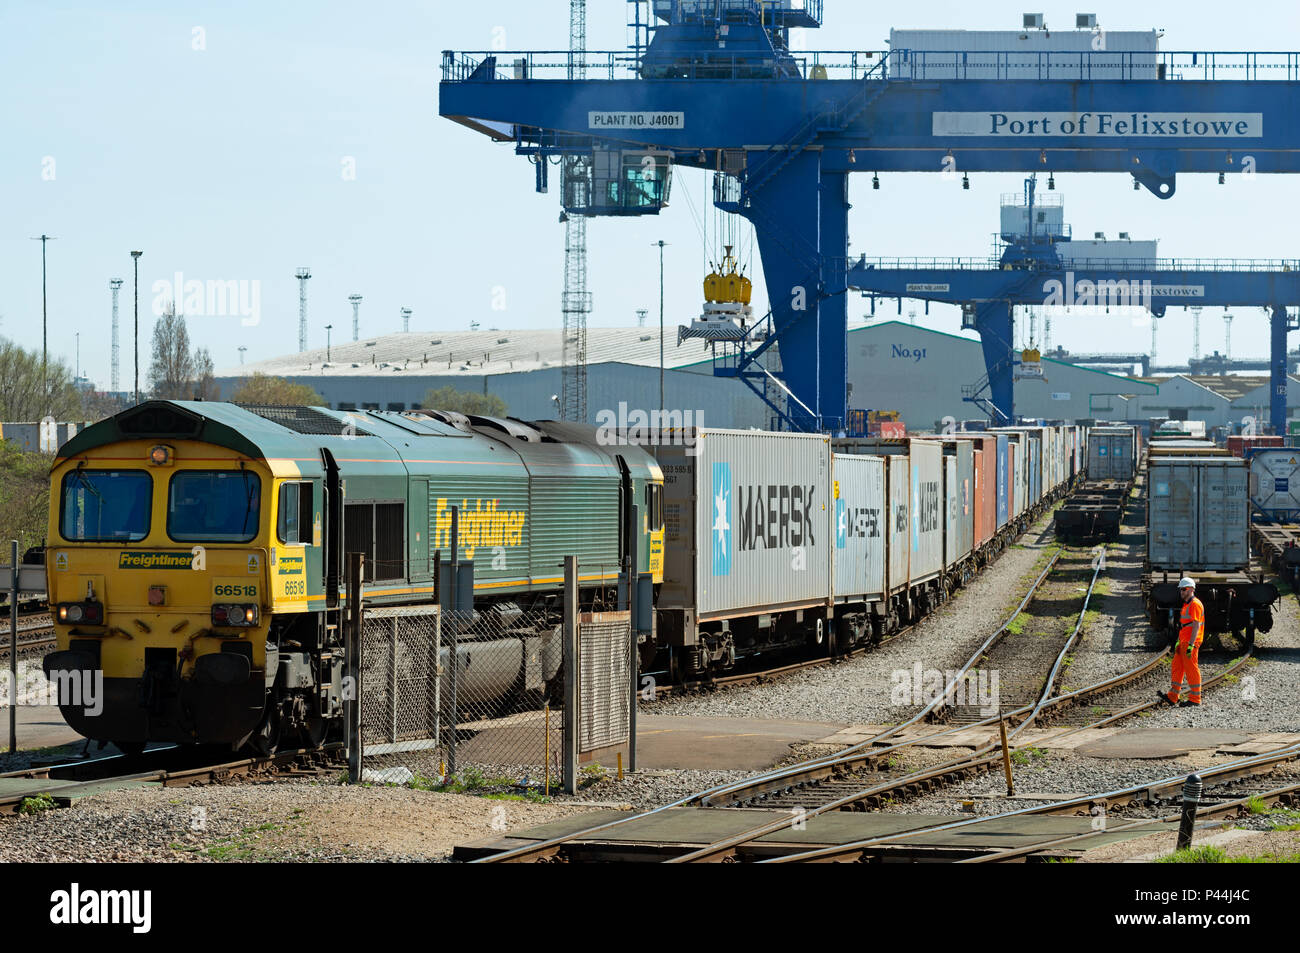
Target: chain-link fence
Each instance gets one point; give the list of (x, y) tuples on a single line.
[(497, 714)]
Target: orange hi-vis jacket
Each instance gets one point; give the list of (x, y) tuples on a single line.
[(1193, 611)]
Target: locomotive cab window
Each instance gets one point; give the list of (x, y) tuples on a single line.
[(214, 506), (104, 505), (296, 514), (654, 505)]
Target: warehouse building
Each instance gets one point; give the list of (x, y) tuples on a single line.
[(892, 366), (1219, 400)]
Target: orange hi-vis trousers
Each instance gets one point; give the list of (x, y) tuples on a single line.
[(1186, 666)]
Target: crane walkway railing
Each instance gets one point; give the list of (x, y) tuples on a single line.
[(882, 65), (1088, 265)]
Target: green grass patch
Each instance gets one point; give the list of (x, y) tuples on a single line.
[(1209, 854), (1028, 755), (474, 782), (1256, 805), (36, 804), (1017, 625)]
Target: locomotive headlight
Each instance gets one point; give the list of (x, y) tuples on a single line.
[(72, 613), (234, 615)]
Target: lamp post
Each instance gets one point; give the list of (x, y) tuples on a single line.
[(43, 239), (328, 329), (135, 255), (661, 244)]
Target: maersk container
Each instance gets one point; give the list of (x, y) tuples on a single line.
[(1275, 483), (746, 516), (858, 523), (958, 496), (1198, 515), (899, 540), (925, 506)]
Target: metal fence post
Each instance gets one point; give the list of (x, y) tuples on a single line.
[(354, 665), (13, 646), (453, 716), (633, 675), (571, 663)]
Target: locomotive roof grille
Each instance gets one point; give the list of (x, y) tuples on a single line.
[(155, 421), (305, 420)]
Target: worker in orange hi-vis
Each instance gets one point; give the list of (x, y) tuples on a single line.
[(1191, 631)]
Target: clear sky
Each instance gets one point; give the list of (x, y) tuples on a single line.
[(218, 138)]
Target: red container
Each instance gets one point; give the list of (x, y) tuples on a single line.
[(1240, 444), (985, 491), (984, 499), (893, 429)]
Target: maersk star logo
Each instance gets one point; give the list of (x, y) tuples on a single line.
[(841, 524), (721, 519)]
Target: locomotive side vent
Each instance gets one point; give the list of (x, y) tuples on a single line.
[(305, 420)]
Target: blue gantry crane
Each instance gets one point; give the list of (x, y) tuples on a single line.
[(716, 85), (1032, 271)]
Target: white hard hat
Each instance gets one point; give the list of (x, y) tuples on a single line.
[(1186, 583)]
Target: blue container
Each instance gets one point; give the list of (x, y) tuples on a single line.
[(1004, 484)]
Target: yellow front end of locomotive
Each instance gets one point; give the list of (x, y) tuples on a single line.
[(157, 572)]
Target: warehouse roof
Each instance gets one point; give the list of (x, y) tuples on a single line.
[(1230, 387), (476, 353)]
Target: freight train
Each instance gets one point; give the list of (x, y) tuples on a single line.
[(196, 549), (1096, 510)]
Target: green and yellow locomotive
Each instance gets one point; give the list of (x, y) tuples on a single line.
[(196, 550)]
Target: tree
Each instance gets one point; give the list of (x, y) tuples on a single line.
[(171, 372), (205, 387), (466, 402), (276, 391), (24, 494), (22, 396)]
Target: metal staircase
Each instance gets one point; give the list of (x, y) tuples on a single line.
[(974, 394), (836, 119)]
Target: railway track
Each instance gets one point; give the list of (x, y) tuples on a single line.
[(169, 766), (852, 779), (1152, 792)]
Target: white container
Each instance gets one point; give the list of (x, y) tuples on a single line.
[(1022, 54), (1198, 515), (1085, 252), (899, 539), (858, 525), (923, 500), (746, 523)]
